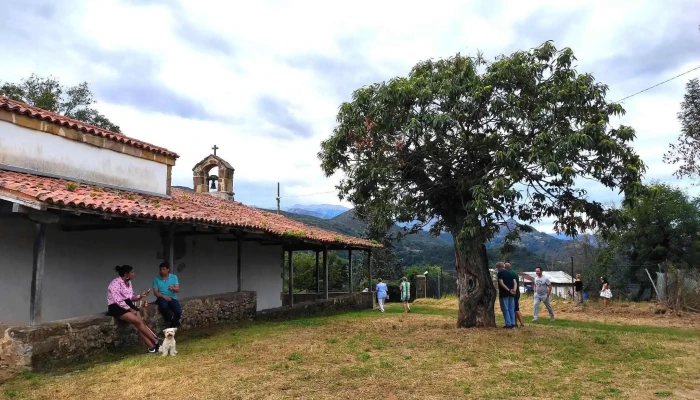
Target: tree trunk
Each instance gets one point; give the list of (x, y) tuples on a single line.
[(477, 293)]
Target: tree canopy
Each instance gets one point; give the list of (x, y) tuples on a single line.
[(48, 93), (471, 143), (686, 152)]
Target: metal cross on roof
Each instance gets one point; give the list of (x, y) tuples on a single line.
[(215, 148)]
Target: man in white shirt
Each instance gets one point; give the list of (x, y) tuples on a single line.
[(543, 290)]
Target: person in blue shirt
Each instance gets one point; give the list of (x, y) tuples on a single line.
[(382, 294), (165, 288)]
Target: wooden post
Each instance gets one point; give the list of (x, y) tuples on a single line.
[(318, 277), (350, 271), (239, 248), (291, 279), (369, 271), (170, 254), (37, 274), (325, 273)]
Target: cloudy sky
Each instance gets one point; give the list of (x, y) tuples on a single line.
[(263, 80)]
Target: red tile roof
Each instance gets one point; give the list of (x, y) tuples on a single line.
[(183, 206), (18, 107)]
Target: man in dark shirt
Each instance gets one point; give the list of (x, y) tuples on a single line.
[(506, 292), (518, 314)]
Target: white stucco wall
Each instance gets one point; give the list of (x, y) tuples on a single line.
[(80, 265), (210, 267), (49, 153)]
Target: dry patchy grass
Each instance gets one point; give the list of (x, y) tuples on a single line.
[(417, 355)]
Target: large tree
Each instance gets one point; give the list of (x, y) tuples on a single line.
[(472, 143), (48, 93), (686, 153)]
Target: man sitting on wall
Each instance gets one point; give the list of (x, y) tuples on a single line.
[(165, 288)]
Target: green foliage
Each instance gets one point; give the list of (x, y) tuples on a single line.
[(458, 145), (686, 152), (305, 271), (662, 227), (48, 93)]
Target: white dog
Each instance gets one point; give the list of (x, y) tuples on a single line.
[(168, 346)]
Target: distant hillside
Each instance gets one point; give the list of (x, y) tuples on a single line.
[(324, 211), (536, 248)]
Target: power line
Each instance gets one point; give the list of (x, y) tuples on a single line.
[(659, 84)]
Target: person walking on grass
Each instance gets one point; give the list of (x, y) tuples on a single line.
[(605, 292), (543, 291), (405, 288), (382, 294), (578, 289), (516, 308), (507, 285)]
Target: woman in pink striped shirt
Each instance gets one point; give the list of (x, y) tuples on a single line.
[(120, 298)]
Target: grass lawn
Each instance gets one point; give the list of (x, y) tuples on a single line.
[(419, 355)]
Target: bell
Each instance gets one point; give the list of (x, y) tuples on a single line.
[(213, 179)]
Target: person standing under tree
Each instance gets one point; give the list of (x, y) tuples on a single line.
[(506, 294), (382, 293), (578, 289), (543, 290), (405, 294), (518, 314), (166, 287)]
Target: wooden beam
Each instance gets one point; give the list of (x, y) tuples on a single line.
[(318, 277), (239, 249), (291, 278), (369, 271), (350, 271), (37, 274), (325, 273), (35, 215)]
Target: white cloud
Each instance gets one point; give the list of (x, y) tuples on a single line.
[(273, 48)]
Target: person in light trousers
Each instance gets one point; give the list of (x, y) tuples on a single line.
[(543, 291)]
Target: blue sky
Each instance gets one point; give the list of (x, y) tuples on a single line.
[(263, 80)]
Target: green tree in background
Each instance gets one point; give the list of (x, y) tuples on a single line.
[(48, 93), (305, 271), (686, 152), (663, 226), (472, 143)]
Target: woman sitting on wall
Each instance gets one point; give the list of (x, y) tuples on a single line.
[(120, 298)]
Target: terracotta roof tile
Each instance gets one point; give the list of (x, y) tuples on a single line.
[(18, 107), (183, 206)]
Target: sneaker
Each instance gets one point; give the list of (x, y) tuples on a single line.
[(534, 320), (552, 319), (153, 350)]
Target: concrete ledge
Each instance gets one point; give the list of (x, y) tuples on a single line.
[(354, 301), (77, 339)]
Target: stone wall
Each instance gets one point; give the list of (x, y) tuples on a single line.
[(77, 339), (304, 297), (354, 301)]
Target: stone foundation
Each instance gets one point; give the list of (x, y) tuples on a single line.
[(349, 302), (77, 339)]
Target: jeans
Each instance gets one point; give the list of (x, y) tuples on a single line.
[(508, 308), (579, 297), (168, 307), (536, 311), (381, 303)]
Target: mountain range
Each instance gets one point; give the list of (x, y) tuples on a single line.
[(535, 248)]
